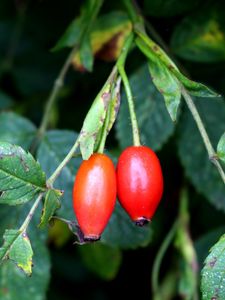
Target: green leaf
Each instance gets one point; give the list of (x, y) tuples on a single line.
[(9, 237), (213, 273), (153, 119), (72, 35), (80, 26), (101, 259), (17, 247), (51, 204), (14, 284), (200, 37), (86, 55), (193, 155), (169, 8), (168, 86), (121, 232), (195, 88), (221, 148), (95, 118), (21, 176), (156, 55), (16, 129), (204, 242), (5, 100), (54, 147)]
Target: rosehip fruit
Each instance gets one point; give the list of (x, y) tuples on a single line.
[(94, 195), (139, 183)]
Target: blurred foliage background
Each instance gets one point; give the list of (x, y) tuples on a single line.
[(194, 32)]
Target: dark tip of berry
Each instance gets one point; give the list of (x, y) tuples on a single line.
[(92, 238), (141, 221)]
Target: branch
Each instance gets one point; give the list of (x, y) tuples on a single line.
[(203, 132)]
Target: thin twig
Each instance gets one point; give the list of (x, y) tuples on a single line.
[(29, 217), (158, 260), (203, 132)]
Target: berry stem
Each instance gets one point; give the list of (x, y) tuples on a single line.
[(120, 65)]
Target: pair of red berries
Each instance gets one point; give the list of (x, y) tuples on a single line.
[(138, 182)]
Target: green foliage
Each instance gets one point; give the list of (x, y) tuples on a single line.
[(50, 154), (5, 101), (122, 233), (151, 113), (101, 259), (21, 176), (192, 152), (221, 148), (91, 131), (17, 248), (78, 30), (13, 282), (27, 72), (200, 37), (16, 129), (213, 277), (51, 204)]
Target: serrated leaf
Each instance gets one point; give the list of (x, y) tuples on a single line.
[(54, 147), (14, 284), (200, 36), (121, 232), (21, 253), (168, 86), (164, 80), (153, 119), (155, 54), (213, 273), (101, 259), (51, 204), (21, 176), (204, 242), (16, 129), (17, 248), (221, 148), (9, 237), (193, 154)]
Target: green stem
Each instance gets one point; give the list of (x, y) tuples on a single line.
[(202, 130), (52, 98), (26, 222), (58, 170), (159, 258), (60, 79), (120, 65)]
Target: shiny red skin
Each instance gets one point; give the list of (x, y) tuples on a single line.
[(94, 195), (139, 183)]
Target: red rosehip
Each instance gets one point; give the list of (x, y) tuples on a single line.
[(139, 183), (94, 195)]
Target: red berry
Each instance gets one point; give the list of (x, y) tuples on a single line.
[(94, 195), (139, 183)]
